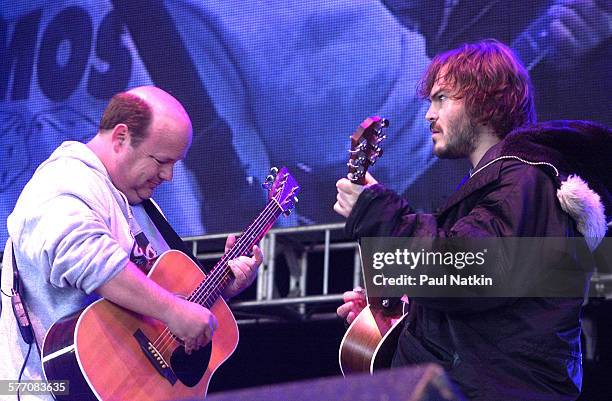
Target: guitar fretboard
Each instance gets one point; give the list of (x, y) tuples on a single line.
[(209, 290)]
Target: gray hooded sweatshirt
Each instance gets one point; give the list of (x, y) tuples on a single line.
[(72, 232)]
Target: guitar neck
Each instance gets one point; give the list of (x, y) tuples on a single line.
[(209, 290)]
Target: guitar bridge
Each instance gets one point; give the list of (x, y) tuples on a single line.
[(155, 357)]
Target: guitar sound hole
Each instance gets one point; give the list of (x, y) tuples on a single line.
[(190, 368)]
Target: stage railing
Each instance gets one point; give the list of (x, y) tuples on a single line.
[(295, 245), (293, 248)]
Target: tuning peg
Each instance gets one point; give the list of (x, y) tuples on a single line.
[(384, 123), (267, 184), (354, 177), (287, 212), (353, 164), (295, 199), (358, 148), (375, 156)]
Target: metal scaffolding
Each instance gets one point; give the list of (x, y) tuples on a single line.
[(293, 247), (288, 263)]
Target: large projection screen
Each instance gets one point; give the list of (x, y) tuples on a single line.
[(276, 83)]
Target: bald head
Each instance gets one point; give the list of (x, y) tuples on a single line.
[(162, 104), (143, 133), (143, 108)]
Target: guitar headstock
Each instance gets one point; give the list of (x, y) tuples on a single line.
[(283, 188), (365, 149)]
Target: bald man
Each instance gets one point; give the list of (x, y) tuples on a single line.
[(75, 229)]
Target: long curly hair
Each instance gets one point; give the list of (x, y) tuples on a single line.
[(493, 83)]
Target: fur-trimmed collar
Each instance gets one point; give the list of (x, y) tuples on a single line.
[(579, 153)]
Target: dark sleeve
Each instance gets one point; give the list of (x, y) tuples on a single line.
[(380, 212)]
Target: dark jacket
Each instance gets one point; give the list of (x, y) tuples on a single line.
[(494, 348)]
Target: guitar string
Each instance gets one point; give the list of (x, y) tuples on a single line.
[(256, 227), (252, 229), (214, 277), (222, 269), (219, 274), (197, 295)]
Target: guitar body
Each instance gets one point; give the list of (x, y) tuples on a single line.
[(370, 341), (109, 353), (100, 349)]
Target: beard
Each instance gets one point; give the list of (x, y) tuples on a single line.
[(461, 139)]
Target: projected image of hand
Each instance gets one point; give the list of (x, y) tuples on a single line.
[(576, 27)]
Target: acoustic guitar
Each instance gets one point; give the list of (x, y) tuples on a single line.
[(370, 341), (110, 353)]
